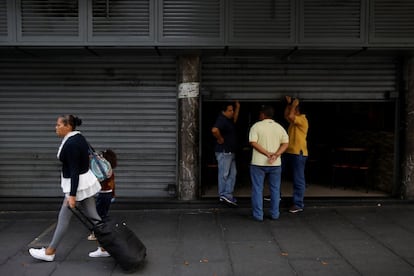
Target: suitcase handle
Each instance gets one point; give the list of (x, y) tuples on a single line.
[(82, 217)]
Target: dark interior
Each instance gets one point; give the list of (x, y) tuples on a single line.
[(368, 125)]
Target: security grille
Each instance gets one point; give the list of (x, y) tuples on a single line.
[(392, 21), (3, 19), (335, 21), (196, 19), (261, 21), (312, 77), (128, 105), (122, 18), (49, 18)]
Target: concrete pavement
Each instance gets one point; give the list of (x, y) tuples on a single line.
[(364, 239)]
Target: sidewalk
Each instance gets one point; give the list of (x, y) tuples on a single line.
[(358, 240)]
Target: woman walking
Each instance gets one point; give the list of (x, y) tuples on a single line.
[(78, 183)]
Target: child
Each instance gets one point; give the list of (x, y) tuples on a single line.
[(107, 193)]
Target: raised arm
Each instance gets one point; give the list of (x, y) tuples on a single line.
[(291, 109)]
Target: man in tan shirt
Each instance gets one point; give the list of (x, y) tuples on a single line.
[(269, 140)]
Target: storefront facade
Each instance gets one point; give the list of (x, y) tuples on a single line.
[(119, 66)]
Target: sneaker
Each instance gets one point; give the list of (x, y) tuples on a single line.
[(98, 253), (294, 209), (227, 200), (92, 237), (40, 254)]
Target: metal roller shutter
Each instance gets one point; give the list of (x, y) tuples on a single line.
[(127, 104), (313, 78)]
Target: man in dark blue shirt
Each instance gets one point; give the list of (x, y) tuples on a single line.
[(224, 130)]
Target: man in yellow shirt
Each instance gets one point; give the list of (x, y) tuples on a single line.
[(297, 153), (269, 140)]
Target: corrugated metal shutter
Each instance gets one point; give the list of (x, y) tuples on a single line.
[(48, 19), (392, 21), (199, 20), (261, 21), (126, 19), (3, 20), (308, 77), (334, 20), (127, 104)]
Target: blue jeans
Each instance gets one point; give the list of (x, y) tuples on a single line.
[(296, 163), (257, 175), (226, 173)]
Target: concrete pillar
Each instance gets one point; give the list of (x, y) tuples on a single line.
[(408, 153), (188, 118)]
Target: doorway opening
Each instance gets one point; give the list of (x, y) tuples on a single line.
[(332, 125)]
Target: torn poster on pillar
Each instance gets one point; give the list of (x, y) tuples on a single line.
[(188, 90)]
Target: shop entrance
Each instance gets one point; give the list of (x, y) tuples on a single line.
[(332, 125)]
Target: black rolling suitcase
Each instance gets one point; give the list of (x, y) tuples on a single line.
[(116, 238)]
